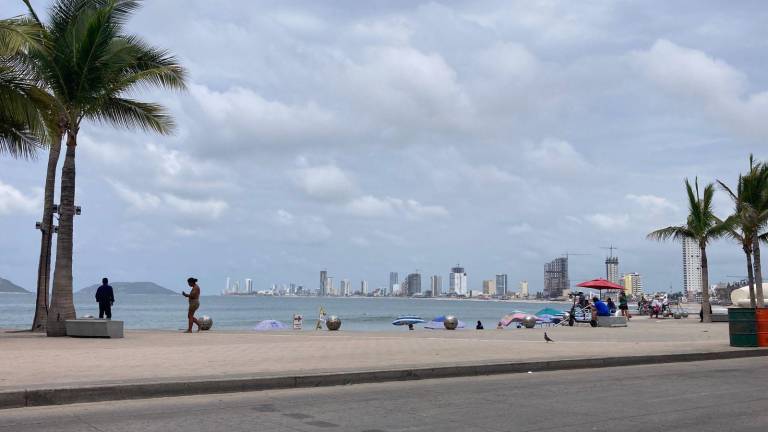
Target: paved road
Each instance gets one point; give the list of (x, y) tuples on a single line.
[(728, 395)]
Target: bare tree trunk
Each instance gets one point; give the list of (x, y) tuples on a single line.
[(62, 307), (750, 275), (46, 242), (705, 306), (759, 299)]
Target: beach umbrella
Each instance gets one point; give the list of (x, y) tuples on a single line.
[(267, 325), (600, 285), (408, 320)]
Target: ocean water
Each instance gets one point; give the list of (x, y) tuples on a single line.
[(168, 312)]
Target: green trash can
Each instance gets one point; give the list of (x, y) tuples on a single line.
[(742, 327)]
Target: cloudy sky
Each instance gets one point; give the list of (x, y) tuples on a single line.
[(378, 136)]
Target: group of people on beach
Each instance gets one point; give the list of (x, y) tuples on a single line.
[(105, 297)]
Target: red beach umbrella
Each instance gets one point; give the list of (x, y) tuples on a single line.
[(600, 284)]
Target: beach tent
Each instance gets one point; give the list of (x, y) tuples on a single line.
[(437, 324), (268, 325)]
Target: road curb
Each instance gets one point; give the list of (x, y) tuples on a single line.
[(71, 395)]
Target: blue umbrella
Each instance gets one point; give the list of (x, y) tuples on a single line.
[(267, 325), (408, 320)]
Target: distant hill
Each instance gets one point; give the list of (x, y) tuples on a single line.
[(7, 286), (130, 288)]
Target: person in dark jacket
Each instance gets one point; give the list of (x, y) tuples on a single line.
[(106, 298)]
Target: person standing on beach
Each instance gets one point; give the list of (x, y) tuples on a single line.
[(105, 296), (194, 303)]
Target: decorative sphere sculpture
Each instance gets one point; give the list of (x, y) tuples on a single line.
[(665, 314), (566, 316), (685, 314), (529, 321), (205, 322), (451, 322), (333, 323), (677, 315)]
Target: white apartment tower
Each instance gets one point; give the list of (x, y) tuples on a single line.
[(524, 289), (458, 281), (691, 268), (436, 285), (364, 287)]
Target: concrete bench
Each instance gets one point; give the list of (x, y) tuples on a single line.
[(94, 328), (611, 321), (720, 317)]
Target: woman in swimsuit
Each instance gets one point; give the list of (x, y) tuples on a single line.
[(194, 303)]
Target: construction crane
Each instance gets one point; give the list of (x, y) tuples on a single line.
[(611, 248), (566, 254)]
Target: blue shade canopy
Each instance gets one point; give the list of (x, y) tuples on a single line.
[(549, 311), (267, 325)]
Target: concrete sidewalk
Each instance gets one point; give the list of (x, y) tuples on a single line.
[(34, 362)]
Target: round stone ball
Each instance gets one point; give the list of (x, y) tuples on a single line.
[(529, 321), (666, 314), (333, 323), (205, 322), (677, 315), (451, 322), (566, 316), (685, 314)]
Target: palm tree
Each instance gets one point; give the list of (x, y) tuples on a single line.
[(91, 66), (22, 128), (702, 226), (750, 217), (23, 134)]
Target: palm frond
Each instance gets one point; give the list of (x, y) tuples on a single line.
[(128, 113), (675, 233)]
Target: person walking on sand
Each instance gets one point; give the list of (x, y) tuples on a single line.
[(194, 303), (105, 296)]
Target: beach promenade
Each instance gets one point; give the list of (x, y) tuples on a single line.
[(34, 362)]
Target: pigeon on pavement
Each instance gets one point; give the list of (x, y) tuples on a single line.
[(547, 338)]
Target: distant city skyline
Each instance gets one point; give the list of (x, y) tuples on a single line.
[(411, 135)]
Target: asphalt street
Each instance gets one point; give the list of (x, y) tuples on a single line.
[(726, 395)]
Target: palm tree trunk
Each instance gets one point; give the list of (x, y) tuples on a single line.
[(759, 299), (750, 275), (705, 306), (62, 306), (44, 263)]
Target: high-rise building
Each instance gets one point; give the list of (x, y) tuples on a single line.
[(329, 290), (345, 288), (364, 287), (458, 281), (228, 288), (436, 285), (524, 289), (489, 287), (612, 269), (394, 283), (502, 289), (249, 286), (323, 283), (691, 269), (633, 284), (556, 278), (413, 283)]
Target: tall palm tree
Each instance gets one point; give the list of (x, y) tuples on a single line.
[(19, 37), (702, 226), (750, 217), (90, 69)]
